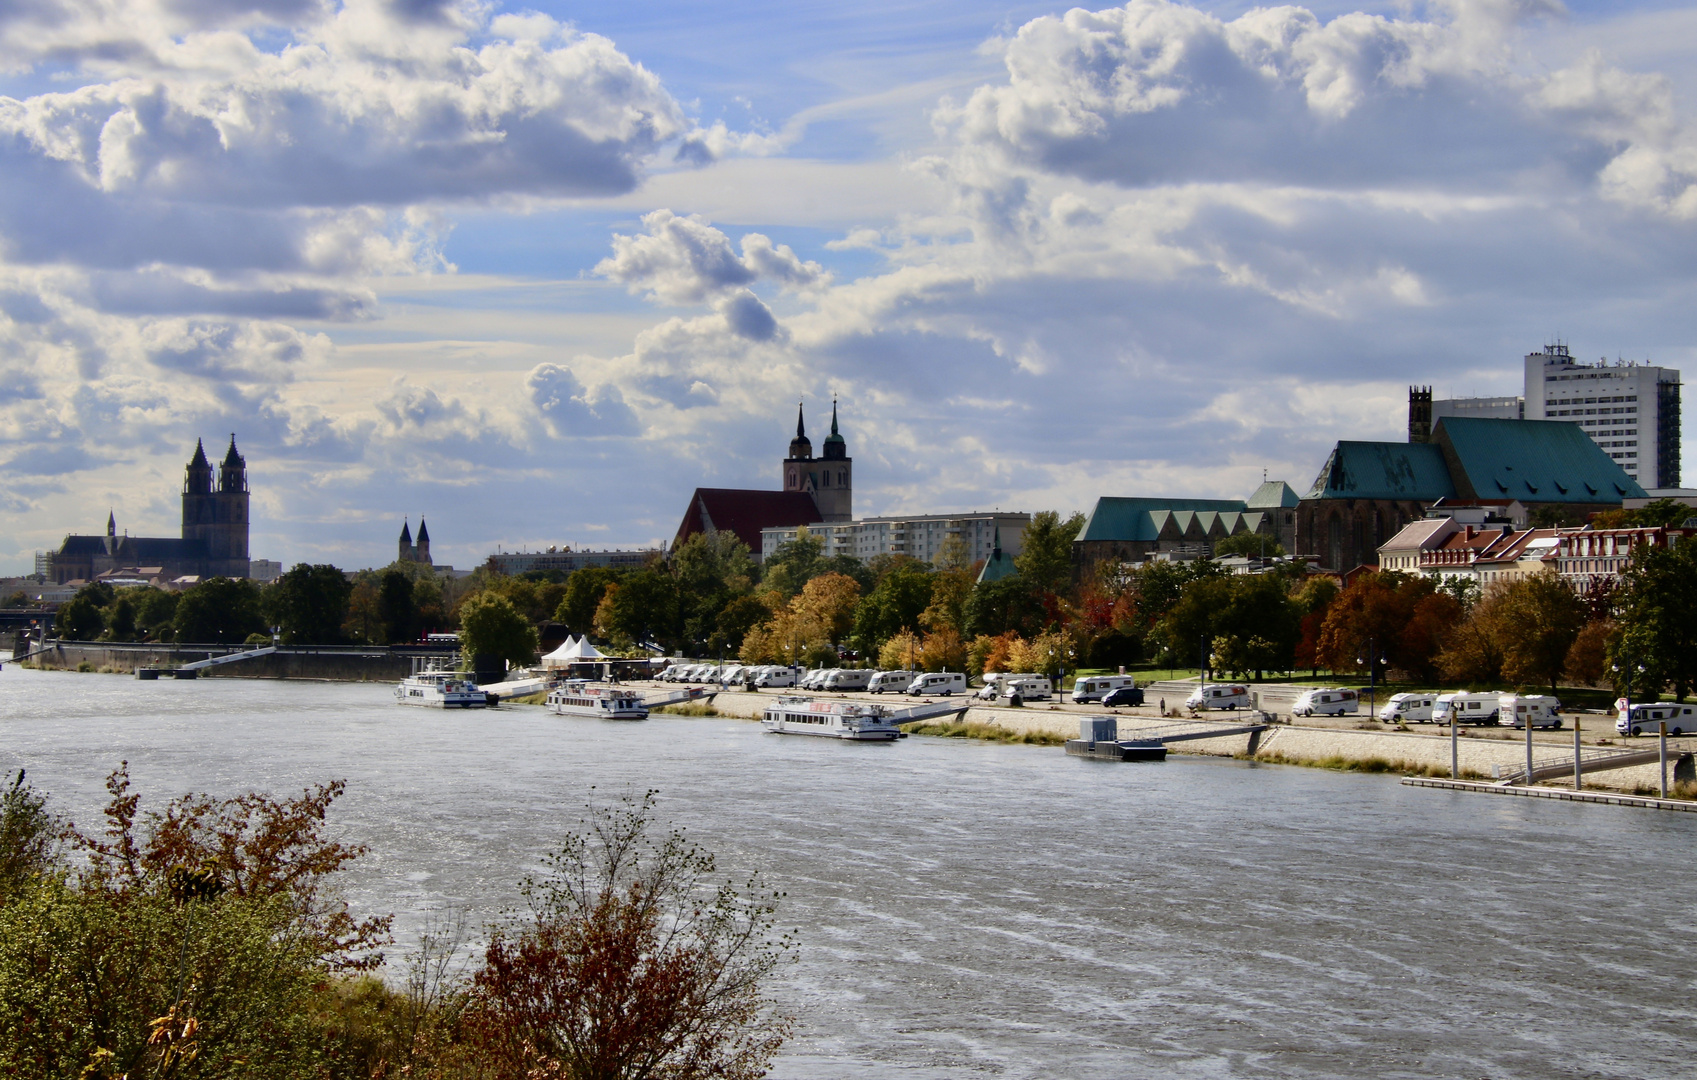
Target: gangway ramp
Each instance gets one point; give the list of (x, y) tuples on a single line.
[(1146, 738), (1593, 760)]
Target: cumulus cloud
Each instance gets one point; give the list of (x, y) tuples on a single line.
[(571, 410), (685, 260)]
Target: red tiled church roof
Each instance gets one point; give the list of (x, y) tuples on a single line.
[(745, 513)]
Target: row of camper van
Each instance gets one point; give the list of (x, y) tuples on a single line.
[(1485, 707)]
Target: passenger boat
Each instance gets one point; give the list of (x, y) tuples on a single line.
[(575, 697), (832, 719), (436, 687)]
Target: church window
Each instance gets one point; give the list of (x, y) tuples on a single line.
[(827, 480)]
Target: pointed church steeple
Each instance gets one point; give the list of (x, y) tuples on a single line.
[(111, 524), (836, 448), (421, 550), (199, 473), (406, 552), (800, 448), (406, 532)]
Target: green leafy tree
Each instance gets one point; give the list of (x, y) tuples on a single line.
[(733, 624), (1009, 605), (1656, 628), (895, 604), (584, 592), (219, 611), (491, 626), (121, 620), (156, 610), (1045, 556), (29, 837), (310, 604), (643, 608), (397, 611), (795, 563), (712, 570), (79, 619)]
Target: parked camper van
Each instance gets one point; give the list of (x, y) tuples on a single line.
[(815, 679), (1483, 708), (775, 677), (1648, 718), (846, 680), (1218, 696), (1032, 688), (1539, 710), (1097, 687), (1409, 708), (891, 682), (938, 682), (993, 680), (1331, 701)]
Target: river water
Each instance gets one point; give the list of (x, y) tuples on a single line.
[(976, 910)]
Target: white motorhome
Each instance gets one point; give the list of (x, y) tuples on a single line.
[(993, 680), (1480, 708), (1648, 718), (814, 678), (1028, 689), (1218, 696), (893, 682), (1097, 687), (849, 680), (775, 677), (1539, 710), (1326, 701), (943, 683), (1409, 708)]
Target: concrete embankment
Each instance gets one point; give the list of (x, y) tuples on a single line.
[(329, 665), (1411, 753)]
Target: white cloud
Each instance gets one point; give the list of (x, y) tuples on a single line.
[(685, 260)]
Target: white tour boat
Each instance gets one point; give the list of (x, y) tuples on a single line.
[(832, 719), (437, 687), (575, 697)]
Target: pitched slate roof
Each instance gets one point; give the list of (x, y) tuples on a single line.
[(1384, 470), (1143, 519), (1530, 460), (1419, 535), (745, 513)]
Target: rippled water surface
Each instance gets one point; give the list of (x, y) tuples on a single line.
[(974, 910)]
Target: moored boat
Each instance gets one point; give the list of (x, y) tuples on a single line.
[(575, 697), (832, 719), (437, 687)]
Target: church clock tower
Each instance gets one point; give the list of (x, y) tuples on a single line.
[(829, 478)]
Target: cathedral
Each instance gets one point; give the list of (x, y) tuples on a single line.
[(814, 490), (214, 541), (415, 552)]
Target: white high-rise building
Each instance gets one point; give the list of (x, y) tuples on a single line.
[(1629, 409)]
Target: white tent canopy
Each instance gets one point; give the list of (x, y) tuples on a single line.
[(574, 651)]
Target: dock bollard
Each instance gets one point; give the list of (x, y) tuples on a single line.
[(1578, 784), (1528, 721), (1455, 750), (1663, 740)]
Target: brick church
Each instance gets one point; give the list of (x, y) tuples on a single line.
[(815, 490), (214, 542)]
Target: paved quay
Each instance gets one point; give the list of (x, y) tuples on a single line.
[(1316, 741)]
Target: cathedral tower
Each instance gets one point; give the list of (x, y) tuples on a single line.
[(829, 479), (422, 552), (217, 519), (406, 553)]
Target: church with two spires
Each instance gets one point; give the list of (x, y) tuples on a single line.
[(815, 490)]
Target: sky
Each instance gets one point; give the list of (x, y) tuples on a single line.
[(536, 272)]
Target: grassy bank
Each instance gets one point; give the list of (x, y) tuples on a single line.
[(1340, 763), (986, 732), (689, 708)]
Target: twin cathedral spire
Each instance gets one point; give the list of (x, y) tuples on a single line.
[(829, 478)]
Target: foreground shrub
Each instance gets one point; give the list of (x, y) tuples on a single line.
[(631, 964)]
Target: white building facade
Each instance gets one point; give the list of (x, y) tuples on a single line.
[(920, 536), (1631, 410)]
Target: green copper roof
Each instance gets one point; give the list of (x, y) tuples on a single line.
[(1273, 494), (1142, 519), (1530, 460), (1384, 470)]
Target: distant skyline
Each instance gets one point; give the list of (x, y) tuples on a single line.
[(537, 271)]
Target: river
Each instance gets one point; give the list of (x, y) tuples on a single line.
[(979, 910)]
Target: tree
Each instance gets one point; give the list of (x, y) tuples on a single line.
[(1474, 651), (1007, 606), (29, 837), (950, 590), (735, 621), (1048, 654), (795, 563), (1045, 556), (364, 621), (943, 650), (397, 613), (121, 620), (490, 626), (634, 962), (310, 604), (79, 619), (901, 651), (219, 611), (156, 609), (827, 605), (585, 590), (1255, 545), (1545, 617), (712, 570), (643, 608), (1588, 657), (894, 605)]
